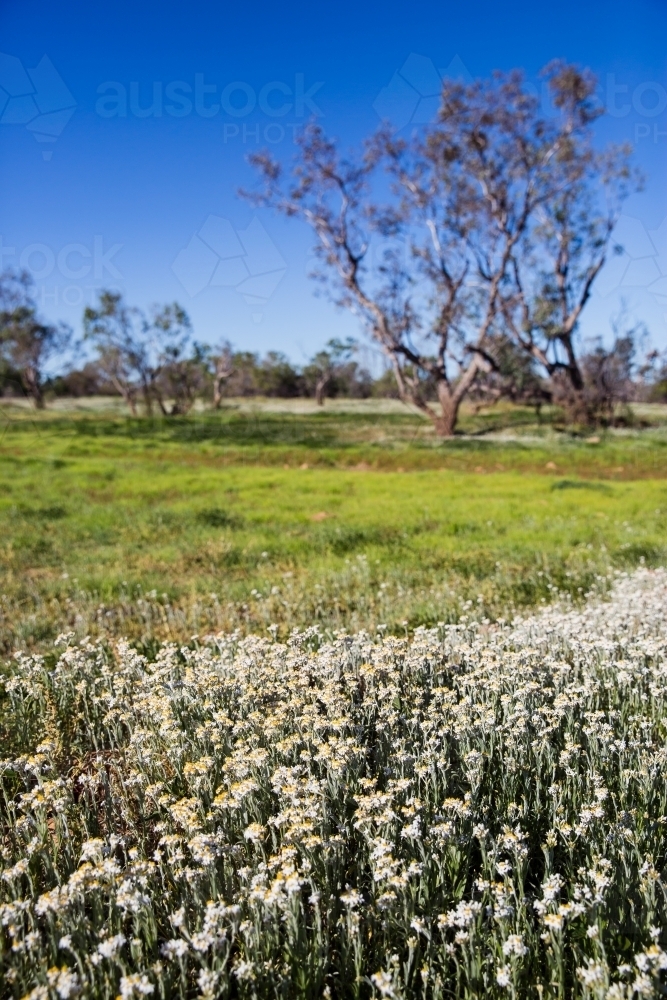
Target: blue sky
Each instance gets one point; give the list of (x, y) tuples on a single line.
[(121, 154)]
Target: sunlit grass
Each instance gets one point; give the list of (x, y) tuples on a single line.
[(248, 518)]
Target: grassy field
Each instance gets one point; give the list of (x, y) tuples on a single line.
[(279, 513), (363, 808)]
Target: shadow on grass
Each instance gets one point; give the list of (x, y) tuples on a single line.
[(242, 429), (579, 484)]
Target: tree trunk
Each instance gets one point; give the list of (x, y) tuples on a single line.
[(445, 422), (160, 402), (223, 371), (148, 401), (33, 387), (573, 370), (320, 389), (126, 393), (130, 401)]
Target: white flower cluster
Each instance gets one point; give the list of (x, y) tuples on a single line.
[(480, 810)]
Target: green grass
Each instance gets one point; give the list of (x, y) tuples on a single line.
[(351, 517)]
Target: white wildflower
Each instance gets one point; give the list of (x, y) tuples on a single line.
[(137, 985), (65, 982), (112, 945), (383, 982), (176, 948), (207, 981), (464, 914), (244, 970), (254, 832), (514, 945), (503, 976)]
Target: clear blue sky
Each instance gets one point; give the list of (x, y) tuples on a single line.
[(103, 185)]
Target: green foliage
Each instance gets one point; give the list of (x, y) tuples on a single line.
[(214, 517), (27, 341), (162, 528)]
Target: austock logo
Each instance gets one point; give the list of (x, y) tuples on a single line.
[(220, 256), (238, 104), (35, 98), (69, 275), (412, 95), (640, 261)]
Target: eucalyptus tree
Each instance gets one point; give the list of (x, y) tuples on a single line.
[(321, 371), (134, 348), (222, 362), (490, 221), (27, 342)]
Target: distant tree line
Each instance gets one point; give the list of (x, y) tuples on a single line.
[(152, 361)]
